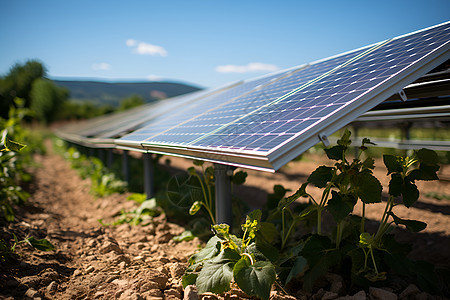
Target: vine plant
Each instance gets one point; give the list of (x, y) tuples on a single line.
[(365, 258)]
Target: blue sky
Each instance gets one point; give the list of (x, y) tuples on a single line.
[(205, 43)]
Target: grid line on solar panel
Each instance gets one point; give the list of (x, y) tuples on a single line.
[(265, 137), (182, 134), (177, 118)]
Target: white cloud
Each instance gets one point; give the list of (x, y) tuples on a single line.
[(154, 78), (101, 67), (146, 48), (131, 43), (251, 67)]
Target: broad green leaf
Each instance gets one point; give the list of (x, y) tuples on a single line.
[(256, 279), (427, 156), (395, 185), (369, 188), (410, 193), (186, 235), (301, 192), (198, 162), (13, 146), (321, 176), (336, 152), (192, 171), (411, 225), (211, 249), (8, 212), (265, 249), (300, 265), (323, 265), (369, 163), (42, 244), (315, 246), (340, 206), (392, 163), (268, 231), (188, 279), (239, 177), (274, 198), (217, 272), (195, 207)]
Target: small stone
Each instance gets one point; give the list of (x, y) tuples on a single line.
[(423, 296), (151, 285), (176, 270), (381, 294), (161, 279), (12, 283), (410, 290), (361, 295), (172, 294), (153, 293), (89, 269), (99, 294), (110, 246), (318, 295), (31, 293), (122, 265), (329, 296), (154, 248), (190, 293), (52, 287), (130, 295)]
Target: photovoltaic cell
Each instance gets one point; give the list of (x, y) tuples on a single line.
[(265, 122)]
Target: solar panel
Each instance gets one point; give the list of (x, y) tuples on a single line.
[(265, 123)]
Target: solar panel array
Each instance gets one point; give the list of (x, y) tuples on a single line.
[(265, 122)]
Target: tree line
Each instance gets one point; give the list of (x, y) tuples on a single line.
[(48, 101)]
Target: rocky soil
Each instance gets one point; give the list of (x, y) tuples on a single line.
[(143, 262)]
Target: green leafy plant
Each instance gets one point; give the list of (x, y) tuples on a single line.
[(104, 182), (139, 216), (344, 185), (227, 258), (198, 189), (7, 252)]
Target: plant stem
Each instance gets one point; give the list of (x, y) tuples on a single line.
[(319, 220), (373, 260), (363, 219), (339, 230)]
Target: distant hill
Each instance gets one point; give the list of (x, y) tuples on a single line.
[(113, 93)]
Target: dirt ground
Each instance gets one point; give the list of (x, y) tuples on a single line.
[(135, 262)]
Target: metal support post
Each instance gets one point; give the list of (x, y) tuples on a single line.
[(149, 173), (224, 212), (110, 158), (125, 166), (101, 155)]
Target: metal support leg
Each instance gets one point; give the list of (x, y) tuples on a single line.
[(101, 155), (125, 166), (149, 171), (110, 158), (224, 212)]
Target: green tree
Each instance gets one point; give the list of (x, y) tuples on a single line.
[(18, 83), (47, 99), (130, 102)]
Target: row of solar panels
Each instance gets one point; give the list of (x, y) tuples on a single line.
[(265, 122)]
